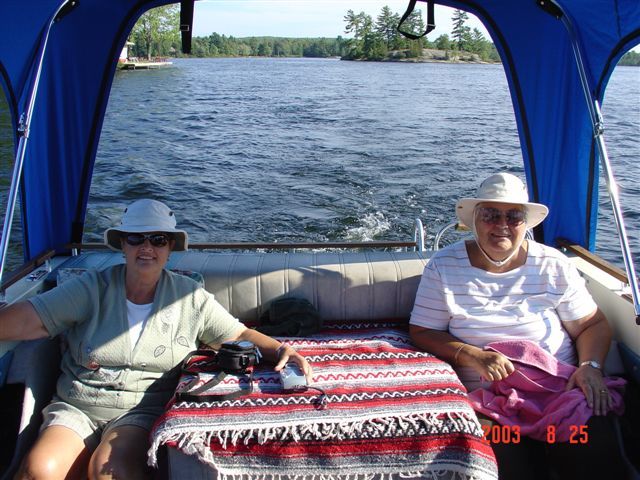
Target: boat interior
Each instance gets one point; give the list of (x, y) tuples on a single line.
[(352, 286), (347, 282)]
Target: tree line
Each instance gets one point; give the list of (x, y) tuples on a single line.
[(216, 45), (156, 34), (630, 59), (380, 39)]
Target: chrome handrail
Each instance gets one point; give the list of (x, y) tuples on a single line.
[(418, 236), (441, 232), (23, 131), (598, 133), (385, 244)]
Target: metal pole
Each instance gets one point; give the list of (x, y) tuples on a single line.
[(23, 131), (418, 235), (612, 187)]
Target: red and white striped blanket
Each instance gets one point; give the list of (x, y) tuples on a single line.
[(392, 412)]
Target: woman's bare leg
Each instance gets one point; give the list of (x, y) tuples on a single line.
[(59, 453), (122, 454)]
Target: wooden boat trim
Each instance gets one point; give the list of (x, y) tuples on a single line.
[(593, 259)]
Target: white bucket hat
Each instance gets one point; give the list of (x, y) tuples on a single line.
[(144, 216), (501, 188)]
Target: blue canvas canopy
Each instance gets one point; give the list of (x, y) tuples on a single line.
[(555, 128)]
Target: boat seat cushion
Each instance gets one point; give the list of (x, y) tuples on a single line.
[(64, 274), (345, 286)]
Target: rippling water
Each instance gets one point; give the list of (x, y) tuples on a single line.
[(301, 149), (317, 149)]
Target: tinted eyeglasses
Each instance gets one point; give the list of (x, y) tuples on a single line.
[(493, 216), (155, 239)]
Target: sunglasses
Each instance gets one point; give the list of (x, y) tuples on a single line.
[(493, 216), (155, 239)]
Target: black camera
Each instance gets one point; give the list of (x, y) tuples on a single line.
[(238, 356), (233, 357)]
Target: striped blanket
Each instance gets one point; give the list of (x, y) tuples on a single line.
[(391, 412)]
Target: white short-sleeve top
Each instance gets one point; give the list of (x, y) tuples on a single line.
[(480, 307)]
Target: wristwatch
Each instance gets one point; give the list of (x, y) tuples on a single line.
[(591, 363)]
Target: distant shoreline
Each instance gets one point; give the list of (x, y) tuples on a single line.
[(442, 56), (430, 55)]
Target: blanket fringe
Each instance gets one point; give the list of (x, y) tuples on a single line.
[(426, 475), (194, 441)]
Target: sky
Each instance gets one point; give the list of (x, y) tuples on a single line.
[(295, 18)]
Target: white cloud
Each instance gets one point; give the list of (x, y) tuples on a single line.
[(300, 18)]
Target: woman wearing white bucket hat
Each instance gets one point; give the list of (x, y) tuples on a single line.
[(128, 328), (501, 286), (500, 193)]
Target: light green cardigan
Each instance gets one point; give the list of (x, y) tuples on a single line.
[(99, 369)]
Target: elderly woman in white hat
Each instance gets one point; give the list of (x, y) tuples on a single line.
[(502, 286), (128, 328)]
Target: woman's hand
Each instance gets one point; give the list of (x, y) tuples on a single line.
[(490, 365), (275, 351), (591, 382), (287, 353), (592, 336)]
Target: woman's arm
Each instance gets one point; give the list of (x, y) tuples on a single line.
[(490, 365), (592, 336), (274, 351), (20, 321)]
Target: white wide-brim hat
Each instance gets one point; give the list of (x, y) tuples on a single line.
[(501, 188), (145, 216)]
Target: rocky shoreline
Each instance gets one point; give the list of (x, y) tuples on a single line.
[(430, 55)]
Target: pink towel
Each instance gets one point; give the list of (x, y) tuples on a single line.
[(534, 397)]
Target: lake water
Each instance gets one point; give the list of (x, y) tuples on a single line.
[(320, 149)]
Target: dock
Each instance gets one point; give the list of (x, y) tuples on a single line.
[(131, 64)]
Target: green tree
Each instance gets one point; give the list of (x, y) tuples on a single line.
[(417, 24), (279, 48), (243, 50), (373, 46), (200, 48), (360, 25), (460, 32), (156, 31), (494, 56), (386, 26), (227, 46), (322, 48), (443, 42), (479, 45), (476, 40), (630, 59), (264, 49), (297, 49)]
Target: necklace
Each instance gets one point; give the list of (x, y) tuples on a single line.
[(497, 263)]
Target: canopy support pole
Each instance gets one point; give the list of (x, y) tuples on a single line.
[(23, 132), (612, 187)]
